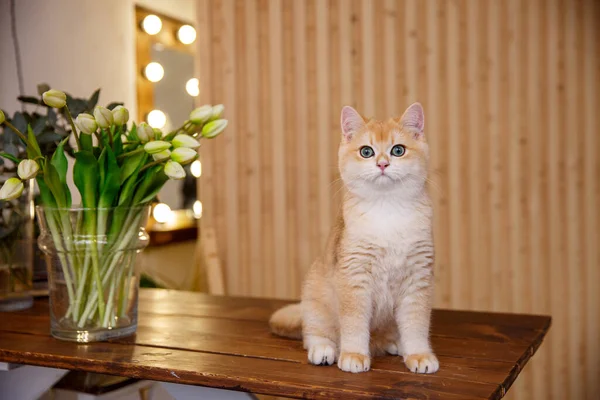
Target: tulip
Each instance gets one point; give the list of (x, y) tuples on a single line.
[(120, 115), (156, 146), (103, 116), (145, 132), (213, 128), (158, 134), (12, 188), (163, 155), (184, 155), (86, 123), (185, 141), (174, 170), (201, 114), (54, 98), (2, 117), (217, 111), (27, 169)]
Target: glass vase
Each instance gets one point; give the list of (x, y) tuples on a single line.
[(17, 252), (90, 255)]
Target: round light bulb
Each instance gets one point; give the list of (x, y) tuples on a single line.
[(154, 72), (161, 213), (193, 87), (196, 169), (152, 24), (186, 34), (157, 119), (197, 208)]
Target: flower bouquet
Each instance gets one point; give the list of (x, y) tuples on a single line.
[(91, 248)]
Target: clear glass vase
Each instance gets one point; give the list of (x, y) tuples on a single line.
[(17, 252), (90, 255)]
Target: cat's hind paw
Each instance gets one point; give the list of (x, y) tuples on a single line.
[(354, 362), (425, 363)]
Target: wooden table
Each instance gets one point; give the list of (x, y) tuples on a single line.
[(224, 342)]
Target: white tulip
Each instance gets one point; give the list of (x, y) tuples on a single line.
[(27, 169), (86, 123), (213, 128), (163, 155), (185, 141), (217, 111), (103, 116), (145, 132), (12, 188), (55, 98), (184, 155), (174, 170), (201, 114), (120, 115), (156, 146)]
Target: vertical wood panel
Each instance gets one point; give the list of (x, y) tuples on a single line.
[(511, 94)]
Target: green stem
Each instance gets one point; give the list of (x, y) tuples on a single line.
[(18, 132), (70, 119), (130, 153), (152, 164)]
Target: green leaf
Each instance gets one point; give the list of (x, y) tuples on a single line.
[(153, 180), (102, 168), (112, 180), (94, 99), (52, 180), (10, 157), (86, 142), (85, 176), (45, 193), (42, 88), (131, 164), (30, 100), (33, 149), (59, 161), (118, 145), (111, 106), (39, 125), (126, 196)]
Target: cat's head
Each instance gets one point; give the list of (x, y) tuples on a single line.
[(381, 157)]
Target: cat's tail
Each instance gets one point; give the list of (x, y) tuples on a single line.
[(287, 321)]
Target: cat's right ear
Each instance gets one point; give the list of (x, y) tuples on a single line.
[(351, 122)]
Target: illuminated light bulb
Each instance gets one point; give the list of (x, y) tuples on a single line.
[(186, 34), (152, 24), (156, 119), (193, 87), (154, 72), (162, 213), (196, 168), (197, 208)]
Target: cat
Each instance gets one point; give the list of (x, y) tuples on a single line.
[(371, 291)]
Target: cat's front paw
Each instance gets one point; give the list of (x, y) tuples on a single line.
[(424, 363), (354, 362), (321, 354)]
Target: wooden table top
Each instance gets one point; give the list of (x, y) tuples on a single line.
[(224, 342)]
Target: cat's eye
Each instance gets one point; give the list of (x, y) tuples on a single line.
[(366, 152), (398, 150)]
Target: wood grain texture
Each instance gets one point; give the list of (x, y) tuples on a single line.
[(511, 91), (225, 342)]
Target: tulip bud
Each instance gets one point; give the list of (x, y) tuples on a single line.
[(86, 123), (158, 134), (185, 141), (184, 155), (163, 155), (201, 114), (54, 98), (2, 117), (103, 116), (123, 138), (27, 169), (217, 111), (120, 115), (156, 146), (13, 187), (145, 132), (174, 170), (213, 128)]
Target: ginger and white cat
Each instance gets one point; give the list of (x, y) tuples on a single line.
[(372, 290)]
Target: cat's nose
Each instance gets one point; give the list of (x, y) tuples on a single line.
[(383, 165)]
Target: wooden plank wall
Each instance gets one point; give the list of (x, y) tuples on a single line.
[(511, 91)]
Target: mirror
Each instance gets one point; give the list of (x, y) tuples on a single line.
[(166, 88)]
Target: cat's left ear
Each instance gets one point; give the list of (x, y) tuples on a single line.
[(413, 120)]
